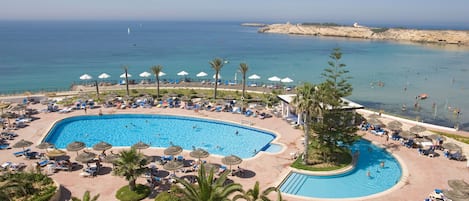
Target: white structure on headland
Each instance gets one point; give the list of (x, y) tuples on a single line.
[(356, 25)]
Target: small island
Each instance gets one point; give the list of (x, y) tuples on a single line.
[(443, 37)]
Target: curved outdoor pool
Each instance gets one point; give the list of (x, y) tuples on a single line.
[(355, 183), (217, 137)]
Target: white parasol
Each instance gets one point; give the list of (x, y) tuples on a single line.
[(286, 80), (219, 76), (123, 75), (254, 77), (183, 73), (145, 74), (274, 79), (104, 76), (161, 74), (86, 77), (201, 74)]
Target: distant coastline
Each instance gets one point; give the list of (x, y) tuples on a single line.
[(443, 37), (250, 24)]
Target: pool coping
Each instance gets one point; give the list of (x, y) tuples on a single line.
[(402, 181)]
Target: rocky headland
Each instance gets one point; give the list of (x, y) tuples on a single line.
[(443, 37)]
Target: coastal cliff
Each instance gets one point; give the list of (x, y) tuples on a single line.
[(412, 35)]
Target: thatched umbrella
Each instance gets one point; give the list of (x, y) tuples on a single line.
[(451, 146), (375, 122), (437, 137), (111, 158), (85, 157), (140, 145), (199, 153), (4, 105), (173, 150), (394, 125), (22, 144), (173, 165), (211, 166), (373, 116), (406, 134), (56, 153), (459, 185), (417, 129), (76, 146), (102, 146), (45, 145), (231, 160), (420, 140), (456, 195)]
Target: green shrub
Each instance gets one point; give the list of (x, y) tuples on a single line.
[(125, 194), (163, 196)]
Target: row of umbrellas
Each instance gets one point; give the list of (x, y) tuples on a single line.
[(184, 73), (102, 146)]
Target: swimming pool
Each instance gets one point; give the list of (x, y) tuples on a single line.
[(355, 183), (217, 137)]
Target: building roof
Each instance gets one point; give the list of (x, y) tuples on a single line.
[(349, 105)]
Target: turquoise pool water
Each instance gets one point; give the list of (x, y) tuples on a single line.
[(273, 148), (217, 137), (354, 183)]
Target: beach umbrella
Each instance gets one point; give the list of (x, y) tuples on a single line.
[(451, 146), (56, 153), (173, 150), (394, 125), (183, 73), (173, 165), (145, 74), (85, 157), (406, 134), (231, 160), (4, 105), (45, 145), (199, 153), (459, 185), (420, 140), (111, 158), (86, 77), (375, 122), (201, 74), (219, 76), (22, 144), (76, 146), (437, 137), (102, 146), (455, 195), (211, 166), (274, 79), (161, 74), (104, 76), (286, 80), (140, 145), (417, 129), (254, 77), (123, 75), (373, 116)]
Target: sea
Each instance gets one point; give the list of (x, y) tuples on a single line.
[(386, 75)]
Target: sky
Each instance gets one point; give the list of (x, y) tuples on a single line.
[(338, 11)]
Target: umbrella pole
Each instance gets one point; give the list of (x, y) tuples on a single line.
[(97, 89)]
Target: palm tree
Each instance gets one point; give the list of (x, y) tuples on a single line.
[(243, 68), (254, 194), (131, 164), (157, 70), (216, 65), (126, 79), (15, 187), (308, 103), (86, 197), (208, 189)]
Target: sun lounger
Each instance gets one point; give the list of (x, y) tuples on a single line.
[(180, 158), (17, 166), (5, 165), (43, 163), (4, 146), (21, 153), (65, 110)]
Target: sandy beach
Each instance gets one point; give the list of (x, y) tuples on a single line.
[(421, 174)]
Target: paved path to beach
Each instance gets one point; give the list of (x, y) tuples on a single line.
[(424, 174)]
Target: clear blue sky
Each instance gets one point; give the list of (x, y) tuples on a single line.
[(343, 11)]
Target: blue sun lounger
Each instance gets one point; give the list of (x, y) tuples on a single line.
[(21, 153), (4, 146)]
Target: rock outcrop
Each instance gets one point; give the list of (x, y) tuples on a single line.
[(412, 35)]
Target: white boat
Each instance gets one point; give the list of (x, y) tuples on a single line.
[(128, 30)]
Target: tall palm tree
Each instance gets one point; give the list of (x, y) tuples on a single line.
[(130, 164), (126, 69), (157, 70), (254, 194), (308, 104), (243, 68), (216, 65), (86, 197), (208, 189)]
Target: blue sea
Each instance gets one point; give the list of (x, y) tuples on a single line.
[(51, 55)]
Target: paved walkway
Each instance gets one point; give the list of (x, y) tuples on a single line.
[(424, 174)]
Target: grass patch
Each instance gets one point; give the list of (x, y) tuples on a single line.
[(459, 138), (342, 156), (163, 196), (125, 194)]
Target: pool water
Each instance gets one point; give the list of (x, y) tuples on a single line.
[(273, 148), (355, 183), (217, 137)]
